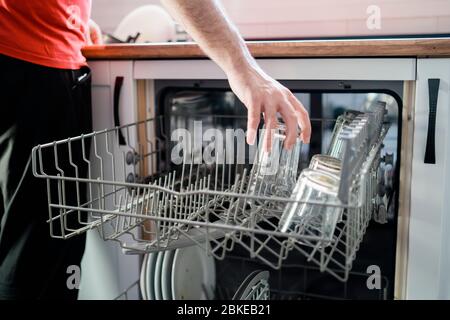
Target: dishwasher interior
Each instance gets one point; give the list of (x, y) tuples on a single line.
[(179, 194)]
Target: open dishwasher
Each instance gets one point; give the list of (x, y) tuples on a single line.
[(193, 185)]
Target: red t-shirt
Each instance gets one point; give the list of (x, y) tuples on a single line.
[(45, 32)]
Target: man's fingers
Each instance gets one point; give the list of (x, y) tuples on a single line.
[(253, 118), (292, 112), (302, 119), (271, 123), (94, 32), (290, 119)]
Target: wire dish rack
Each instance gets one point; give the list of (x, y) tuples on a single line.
[(124, 182), (255, 287)]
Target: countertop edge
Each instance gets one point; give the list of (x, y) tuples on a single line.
[(421, 47)]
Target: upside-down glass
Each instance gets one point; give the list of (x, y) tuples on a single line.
[(331, 165), (313, 219), (323, 162), (335, 148), (275, 172)]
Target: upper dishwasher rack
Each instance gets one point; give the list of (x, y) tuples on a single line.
[(136, 197)]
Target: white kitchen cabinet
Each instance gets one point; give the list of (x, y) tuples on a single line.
[(106, 272), (429, 233)]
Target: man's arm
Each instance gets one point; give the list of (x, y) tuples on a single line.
[(208, 25)]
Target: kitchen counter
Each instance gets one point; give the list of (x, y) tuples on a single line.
[(423, 47)]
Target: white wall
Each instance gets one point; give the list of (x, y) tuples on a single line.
[(108, 13), (309, 18)]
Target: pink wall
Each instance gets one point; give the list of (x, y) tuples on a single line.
[(311, 18)]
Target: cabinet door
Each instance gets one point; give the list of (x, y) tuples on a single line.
[(106, 271), (429, 241)]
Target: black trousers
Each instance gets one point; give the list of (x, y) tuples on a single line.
[(37, 105)]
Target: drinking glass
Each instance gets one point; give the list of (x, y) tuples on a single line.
[(323, 162), (313, 219), (275, 172), (335, 148), (327, 164)]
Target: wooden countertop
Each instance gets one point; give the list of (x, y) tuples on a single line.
[(423, 47)]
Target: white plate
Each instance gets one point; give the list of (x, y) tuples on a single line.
[(142, 282), (157, 277), (166, 277), (244, 285), (150, 275), (192, 271), (252, 283)]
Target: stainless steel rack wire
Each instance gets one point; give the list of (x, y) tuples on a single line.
[(135, 195), (125, 294), (297, 280)]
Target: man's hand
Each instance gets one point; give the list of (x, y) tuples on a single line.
[(94, 33), (208, 25), (262, 94)]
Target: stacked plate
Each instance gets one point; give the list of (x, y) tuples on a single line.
[(181, 274), (254, 287)]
